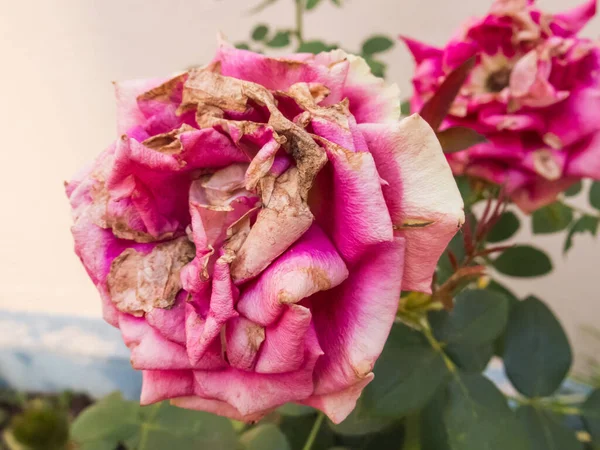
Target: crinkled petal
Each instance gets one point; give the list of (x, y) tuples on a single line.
[(159, 385), (422, 197), (243, 341)]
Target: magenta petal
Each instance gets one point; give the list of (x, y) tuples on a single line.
[(576, 18), (354, 320), (575, 118), (422, 197), (283, 349), (159, 385), (355, 187), (312, 264), (421, 51), (170, 322)]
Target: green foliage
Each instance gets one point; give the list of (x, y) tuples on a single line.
[(376, 44), (585, 224), (537, 354), (114, 420), (405, 108), (477, 417), (478, 317), (591, 416), (574, 189), (595, 195), (523, 261), (545, 431), (41, 426), (505, 228), (403, 388), (313, 47), (281, 39), (264, 437), (260, 32), (311, 4), (552, 218)]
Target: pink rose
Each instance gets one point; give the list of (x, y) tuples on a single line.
[(534, 93), (252, 228)]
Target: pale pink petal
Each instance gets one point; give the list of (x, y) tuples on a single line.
[(575, 118), (422, 197), (217, 407), (584, 162), (170, 322), (576, 18), (129, 114), (312, 264)]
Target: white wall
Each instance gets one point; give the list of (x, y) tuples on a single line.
[(57, 112)]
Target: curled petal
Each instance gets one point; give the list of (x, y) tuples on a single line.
[(243, 341), (159, 385), (312, 264)]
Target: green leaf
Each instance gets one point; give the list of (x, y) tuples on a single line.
[(407, 387), (505, 228), (337, 2), (582, 225), (433, 430), (552, 218), (377, 67), (545, 431), (595, 195), (405, 108), (512, 301), (436, 108), (281, 39), (165, 426), (294, 410), (456, 139), (386, 437), (574, 189), (523, 261), (591, 416), (110, 420), (312, 47), (537, 354), (297, 429), (471, 359), (376, 44), (311, 4), (478, 317), (360, 422), (41, 425), (242, 46), (477, 417), (260, 32), (262, 437)]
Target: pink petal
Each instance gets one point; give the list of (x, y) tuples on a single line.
[(129, 114), (354, 320), (159, 385), (585, 159), (239, 388), (170, 323), (312, 264), (355, 188), (283, 349), (217, 407), (243, 341), (576, 18), (575, 118), (421, 51), (421, 194)]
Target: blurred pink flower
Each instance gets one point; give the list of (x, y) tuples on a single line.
[(534, 93), (252, 228)]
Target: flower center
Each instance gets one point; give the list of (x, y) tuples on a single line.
[(498, 80)]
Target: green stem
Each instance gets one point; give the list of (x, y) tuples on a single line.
[(300, 20), (436, 345), (313, 433)]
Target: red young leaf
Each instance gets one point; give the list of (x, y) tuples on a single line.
[(456, 139)]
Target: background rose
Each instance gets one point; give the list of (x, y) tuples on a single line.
[(534, 93), (253, 227)]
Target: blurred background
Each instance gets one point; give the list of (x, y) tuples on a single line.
[(57, 113)]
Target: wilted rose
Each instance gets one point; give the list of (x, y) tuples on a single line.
[(534, 93), (252, 228)]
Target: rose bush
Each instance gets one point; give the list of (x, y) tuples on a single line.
[(534, 93), (251, 230)]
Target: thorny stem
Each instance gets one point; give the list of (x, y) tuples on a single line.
[(300, 20), (313, 433)]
